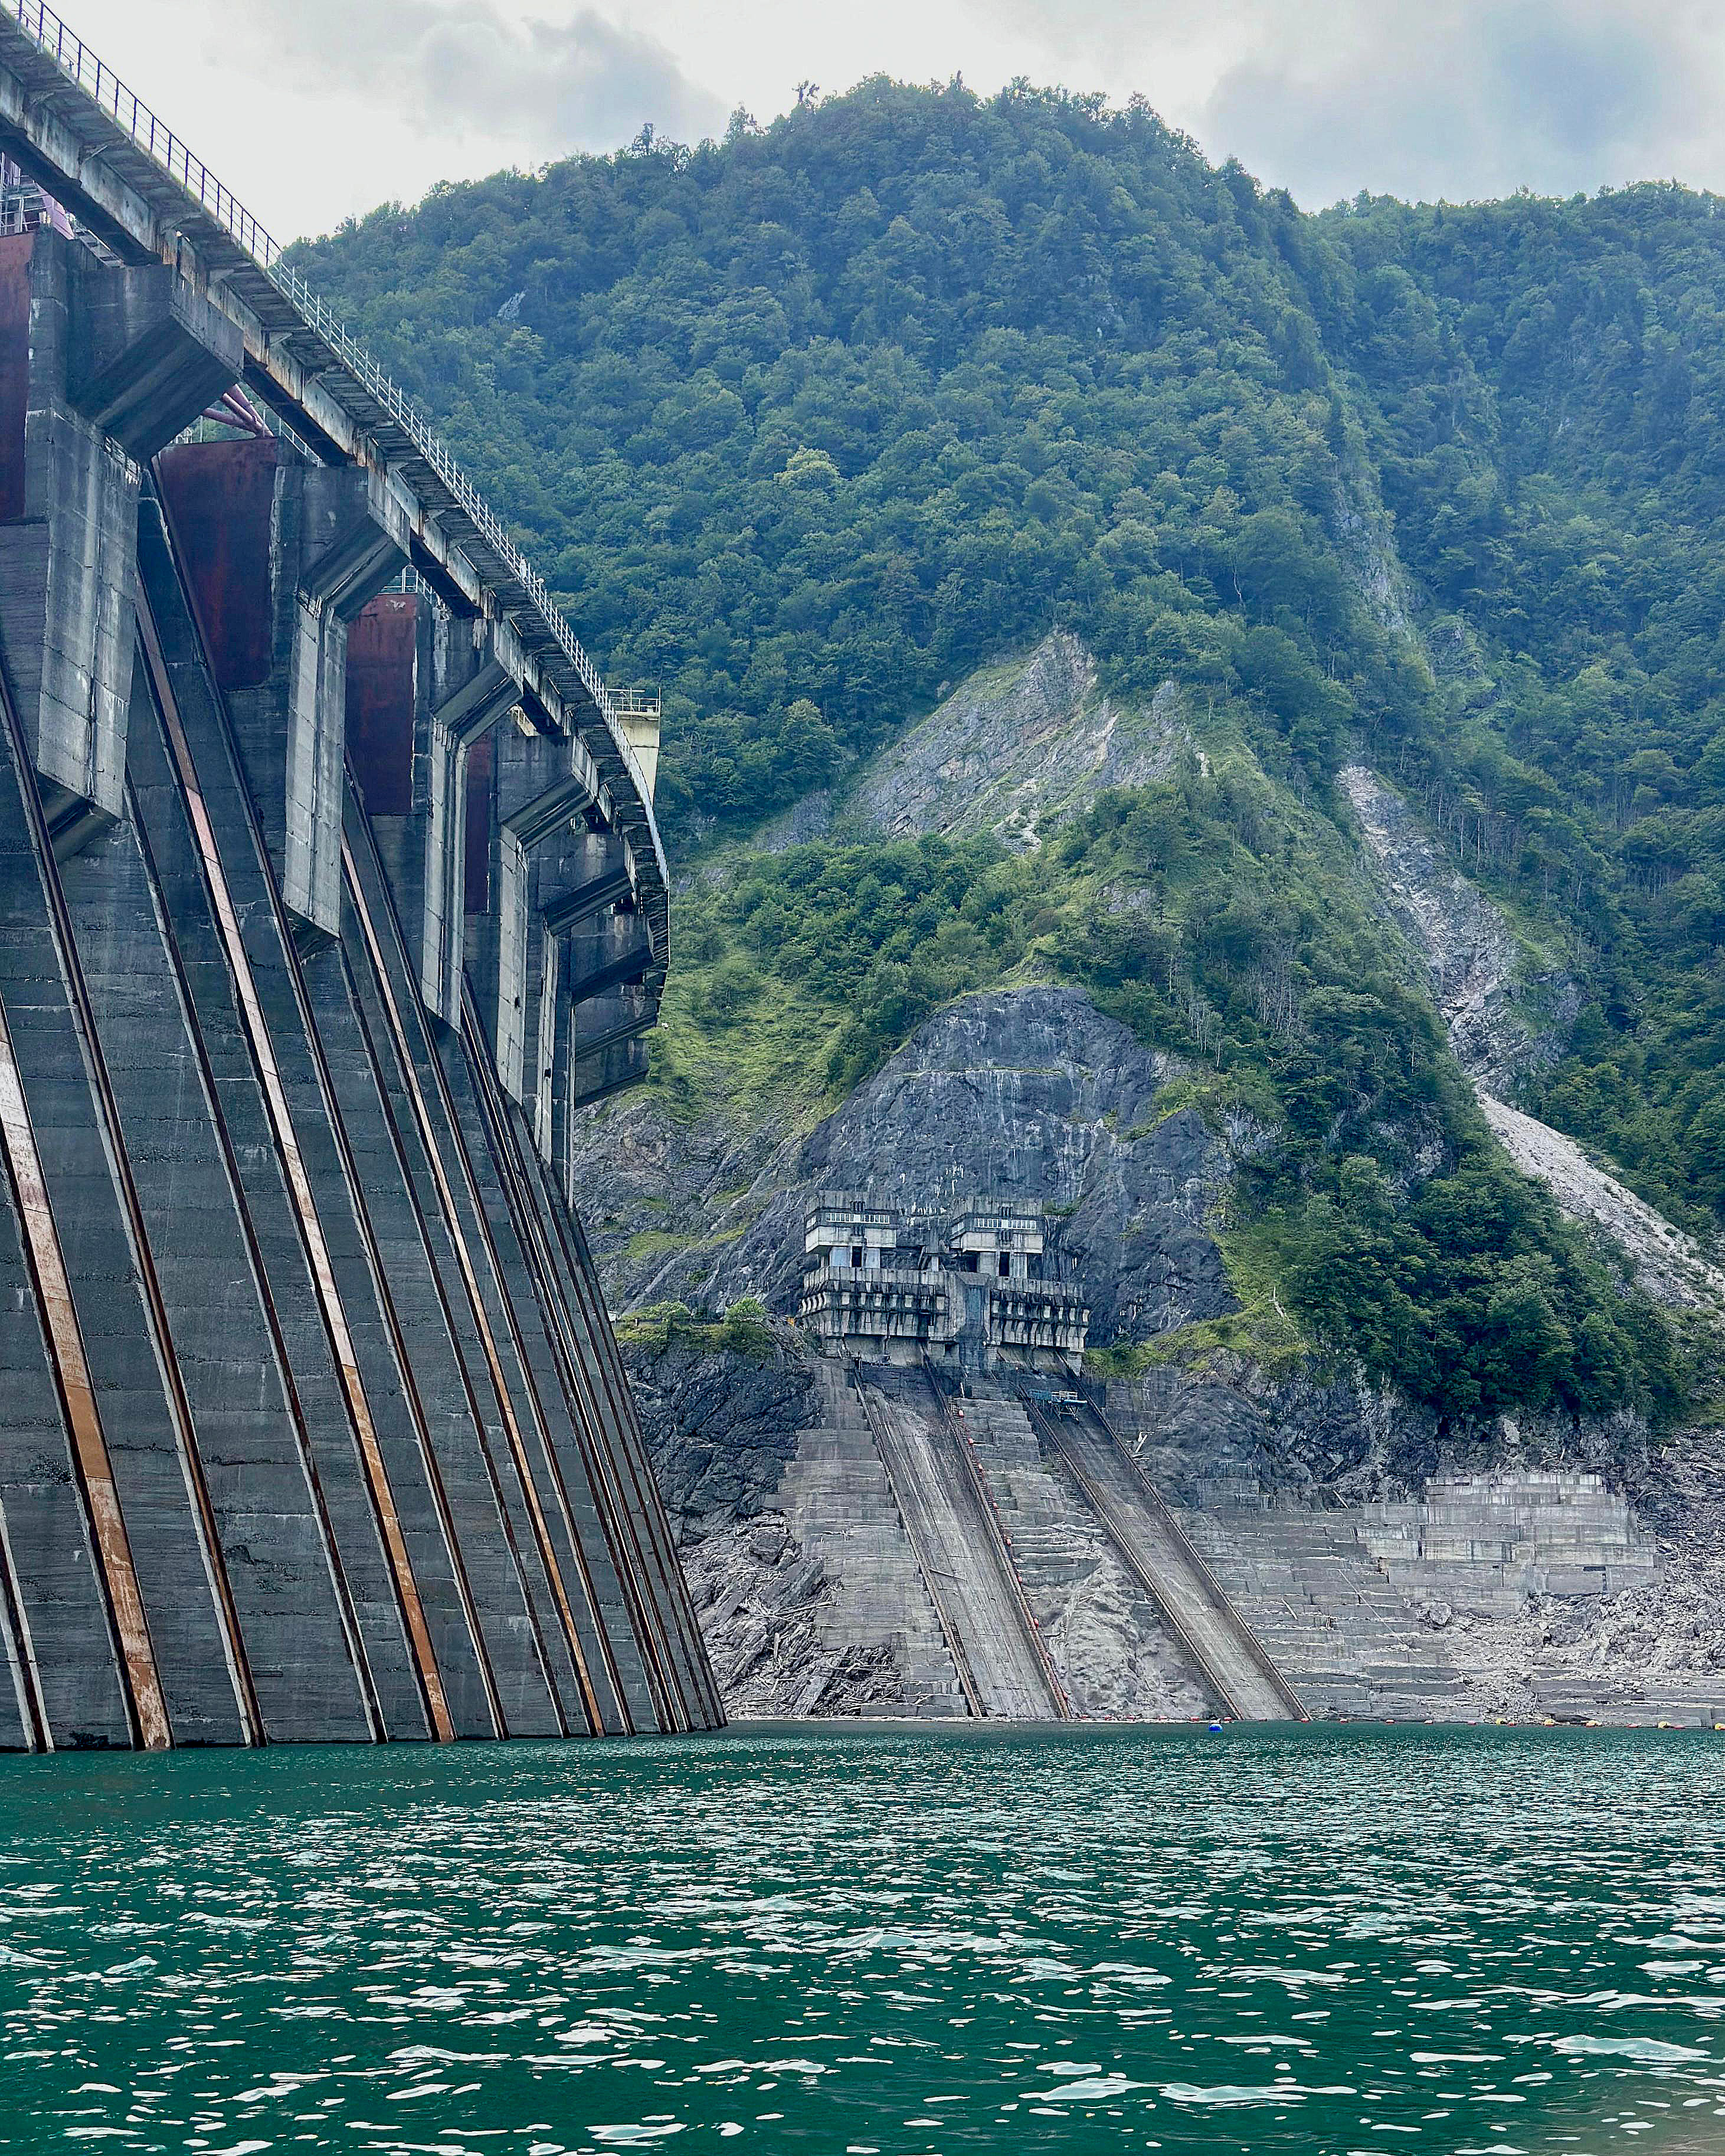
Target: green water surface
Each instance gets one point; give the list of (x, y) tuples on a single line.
[(870, 1939)]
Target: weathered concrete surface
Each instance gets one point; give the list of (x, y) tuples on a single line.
[(1222, 1650), (1519, 1594), (311, 1422), (815, 1598), (302, 364), (104, 366), (808, 1591), (314, 1427), (1111, 1648), (960, 1550), (320, 544)]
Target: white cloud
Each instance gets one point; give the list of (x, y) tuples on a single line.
[(1468, 98), (466, 71), (312, 109)]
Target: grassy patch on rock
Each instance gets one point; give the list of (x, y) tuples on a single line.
[(744, 1329)]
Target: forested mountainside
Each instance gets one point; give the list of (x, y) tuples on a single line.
[(814, 424)]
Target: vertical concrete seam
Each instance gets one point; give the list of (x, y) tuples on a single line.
[(960, 1444), (920, 1556), (433, 1471), (179, 1404), (612, 1404), (518, 1209), (146, 1709), (678, 1616), (511, 1423), (604, 1447), (148, 1703), (585, 1423), (21, 1649), (593, 1465), (634, 1451)]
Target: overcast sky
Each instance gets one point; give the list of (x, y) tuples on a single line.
[(314, 110)]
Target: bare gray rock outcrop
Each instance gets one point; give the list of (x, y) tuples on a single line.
[(1030, 1093), (1669, 1264), (720, 1430), (1504, 1014), (720, 1427), (1340, 1441), (1015, 750), (1507, 1014)]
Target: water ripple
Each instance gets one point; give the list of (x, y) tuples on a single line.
[(888, 1943)]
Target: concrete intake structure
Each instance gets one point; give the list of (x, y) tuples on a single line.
[(974, 1286), (330, 889)]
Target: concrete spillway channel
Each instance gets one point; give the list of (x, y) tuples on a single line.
[(961, 1551), (1155, 1547)]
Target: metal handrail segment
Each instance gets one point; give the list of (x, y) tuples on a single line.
[(98, 82)]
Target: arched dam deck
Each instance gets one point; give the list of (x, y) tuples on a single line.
[(329, 891)]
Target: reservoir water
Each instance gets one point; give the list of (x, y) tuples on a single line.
[(1481, 1943)]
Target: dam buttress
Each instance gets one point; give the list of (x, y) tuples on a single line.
[(330, 892)]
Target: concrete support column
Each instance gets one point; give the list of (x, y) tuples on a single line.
[(587, 872), (477, 669), (423, 687), (541, 784), (607, 1006), (610, 951), (283, 557), (579, 879), (99, 367)]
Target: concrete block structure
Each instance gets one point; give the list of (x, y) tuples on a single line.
[(975, 1287), (329, 882)]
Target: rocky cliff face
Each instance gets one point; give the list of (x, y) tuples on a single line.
[(1333, 1439), (1509, 1008), (809, 1592), (1015, 749), (721, 1429), (1029, 1092)]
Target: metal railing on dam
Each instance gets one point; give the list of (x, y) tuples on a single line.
[(330, 893), (98, 148)]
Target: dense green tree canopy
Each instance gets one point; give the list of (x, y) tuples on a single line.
[(808, 424)]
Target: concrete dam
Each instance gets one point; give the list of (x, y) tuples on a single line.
[(330, 892)]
